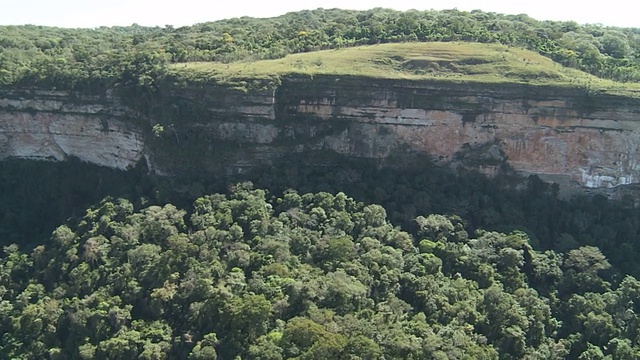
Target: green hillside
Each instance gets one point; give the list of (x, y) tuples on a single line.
[(448, 61), (138, 56)]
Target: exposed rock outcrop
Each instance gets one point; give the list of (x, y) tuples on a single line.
[(53, 125), (570, 136)]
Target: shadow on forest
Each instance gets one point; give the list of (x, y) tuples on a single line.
[(35, 197)]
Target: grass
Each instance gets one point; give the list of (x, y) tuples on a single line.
[(457, 62)]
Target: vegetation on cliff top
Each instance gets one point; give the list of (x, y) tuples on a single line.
[(137, 56), (450, 61)]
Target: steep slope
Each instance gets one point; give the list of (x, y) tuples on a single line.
[(53, 125), (485, 110)]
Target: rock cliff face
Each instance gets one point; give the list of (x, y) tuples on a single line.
[(50, 125), (570, 136)]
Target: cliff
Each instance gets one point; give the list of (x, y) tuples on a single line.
[(54, 125), (571, 136)]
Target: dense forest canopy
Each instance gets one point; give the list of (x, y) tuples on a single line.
[(136, 55), (305, 276)]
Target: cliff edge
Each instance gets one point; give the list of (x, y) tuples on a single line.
[(571, 136)]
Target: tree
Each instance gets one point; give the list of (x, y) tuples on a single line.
[(614, 43), (582, 270)]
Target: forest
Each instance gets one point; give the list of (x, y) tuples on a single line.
[(353, 261), (305, 276), (137, 56), (454, 266)]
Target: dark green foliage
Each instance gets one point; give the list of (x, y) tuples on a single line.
[(305, 276), (37, 196), (471, 202)]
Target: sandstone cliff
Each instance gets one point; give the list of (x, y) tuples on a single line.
[(570, 136), (53, 125)]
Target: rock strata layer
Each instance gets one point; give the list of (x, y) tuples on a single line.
[(570, 136), (55, 125)]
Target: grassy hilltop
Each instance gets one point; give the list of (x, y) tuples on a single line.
[(448, 61)]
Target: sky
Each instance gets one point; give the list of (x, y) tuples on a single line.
[(95, 13)]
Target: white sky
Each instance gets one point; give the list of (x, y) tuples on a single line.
[(94, 13)]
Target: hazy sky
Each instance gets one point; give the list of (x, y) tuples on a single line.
[(93, 13)]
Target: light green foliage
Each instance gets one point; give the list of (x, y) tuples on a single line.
[(583, 267), (158, 130), (457, 62), (435, 227)]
